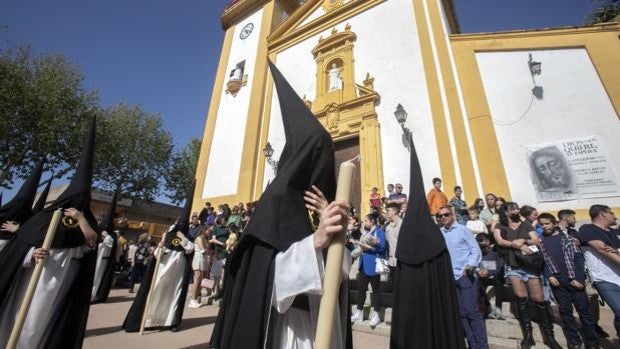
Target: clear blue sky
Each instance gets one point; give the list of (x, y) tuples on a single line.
[(163, 55)]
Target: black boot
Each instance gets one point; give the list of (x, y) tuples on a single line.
[(546, 323), (525, 322)]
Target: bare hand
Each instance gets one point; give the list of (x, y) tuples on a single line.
[(180, 235), (483, 273), (333, 221), (74, 213), (610, 249), (40, 253), (526, 250), (316, 201), (576, 284), (9, 226), (517, 243), (553, 281)]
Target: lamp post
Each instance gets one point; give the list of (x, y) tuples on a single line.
[(401, 116), (535, 69), (268, 152)]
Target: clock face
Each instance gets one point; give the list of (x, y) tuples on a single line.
[(246, 31)]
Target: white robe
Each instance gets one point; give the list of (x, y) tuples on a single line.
[(168, 286), (103, 259), (300, 270), (59, 271)]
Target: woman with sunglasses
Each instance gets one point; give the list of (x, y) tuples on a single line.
[(515, 236)]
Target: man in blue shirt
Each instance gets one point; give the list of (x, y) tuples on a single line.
[(465, 255)]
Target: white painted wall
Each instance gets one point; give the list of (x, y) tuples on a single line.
[(227, 146), (575, 104), (390, 51)]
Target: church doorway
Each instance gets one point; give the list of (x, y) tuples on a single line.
[(347, 149)]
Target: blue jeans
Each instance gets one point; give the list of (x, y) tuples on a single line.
[(473, 323), (566, 296), (611, 295)]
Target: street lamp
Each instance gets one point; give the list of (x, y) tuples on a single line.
[(535, 67), (401, 117), (268, 152)]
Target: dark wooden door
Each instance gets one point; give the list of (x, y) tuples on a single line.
[(346, 150)]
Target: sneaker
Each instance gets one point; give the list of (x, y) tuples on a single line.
[(194, 304), (357, 316), (374, 319)]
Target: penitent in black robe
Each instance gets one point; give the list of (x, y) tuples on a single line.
[(279, 220), (64, 325), (426, 310)]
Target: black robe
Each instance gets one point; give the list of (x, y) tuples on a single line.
[(279, 220), (425, 310), (69, 324), (133, 319), (103, 289)]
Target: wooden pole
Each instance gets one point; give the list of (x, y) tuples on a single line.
[(32, 284), (333, 265), (147, 305)]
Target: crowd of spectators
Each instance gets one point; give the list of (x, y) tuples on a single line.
[(504, 252)]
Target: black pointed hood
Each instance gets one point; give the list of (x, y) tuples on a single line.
[(182, 224), (280, 217), (77, 195), (107, 223), (20, 208), (40, 204), (420, 238)]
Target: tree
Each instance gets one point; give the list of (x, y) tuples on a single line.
[(608, 11), (133, 152), (183, 171), (43, 108)]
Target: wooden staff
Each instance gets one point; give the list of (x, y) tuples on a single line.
[(34, 280), (333, 265), (154, 278)]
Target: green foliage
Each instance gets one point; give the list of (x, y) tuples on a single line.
[(608, 11), (182, 171), (133, 152), (43, 108)]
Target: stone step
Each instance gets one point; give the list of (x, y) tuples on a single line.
[(383, 329), (507, 332)]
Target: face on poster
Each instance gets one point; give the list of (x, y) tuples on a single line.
[(570, 169)]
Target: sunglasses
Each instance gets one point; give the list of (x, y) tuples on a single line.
[(440, 216)]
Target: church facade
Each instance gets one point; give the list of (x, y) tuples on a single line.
[(531, 116)]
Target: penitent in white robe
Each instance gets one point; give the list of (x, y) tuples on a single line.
[(300, 270), (103, 258), (168, 286), (59, 271)]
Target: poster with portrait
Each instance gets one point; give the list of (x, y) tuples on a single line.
[(571, 169)]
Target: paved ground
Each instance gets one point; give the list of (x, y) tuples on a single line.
[(104, 328)]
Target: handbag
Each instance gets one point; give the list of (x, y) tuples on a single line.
[(531, 262), (207, 283), (381, 266)]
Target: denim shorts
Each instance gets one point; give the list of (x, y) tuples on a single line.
[(523, 274)]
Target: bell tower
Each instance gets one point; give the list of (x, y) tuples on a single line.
[(227, 162)]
